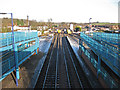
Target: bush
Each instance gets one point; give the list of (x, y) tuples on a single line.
[(42, 31), (4, 30)]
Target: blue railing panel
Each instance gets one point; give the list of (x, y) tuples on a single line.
[(108, 56), (107, 37), (105, 75), (6, 38), (24, 51)]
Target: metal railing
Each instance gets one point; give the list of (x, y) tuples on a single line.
[(111, 38), (26, 43), (108, 54), (6, 38), (105, 75)]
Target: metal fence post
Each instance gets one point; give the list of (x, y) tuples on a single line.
[(27, 45), (118, 46), (37, 43), (36, 47), (16, 59), (80, 45), (98, 66), (15, 52)]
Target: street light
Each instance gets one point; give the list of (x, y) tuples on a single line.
[(89, 24), (11, 21), (16, 62), (28, 22)]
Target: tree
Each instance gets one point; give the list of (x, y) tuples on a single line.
[(20, 22), (78, 28)]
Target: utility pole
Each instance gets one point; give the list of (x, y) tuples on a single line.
[(49, 21), (28, 22), (14, 50)]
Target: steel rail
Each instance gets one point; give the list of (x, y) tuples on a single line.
[(56, 64), (74, 65), (68, 77), (48, 66)]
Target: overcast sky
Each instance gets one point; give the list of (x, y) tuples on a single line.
[(63, 10)]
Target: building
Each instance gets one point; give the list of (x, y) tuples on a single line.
[(114, 27), (42, 27), (71, 27), (16, 28)]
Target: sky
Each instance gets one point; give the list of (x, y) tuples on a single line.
[(62, 10)]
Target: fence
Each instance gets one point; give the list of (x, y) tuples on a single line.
[(106, 54), (25, 45), (111, 38)]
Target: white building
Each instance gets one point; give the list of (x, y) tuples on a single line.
[(42, 27), (26, 30), (71, 27), (20, 27)]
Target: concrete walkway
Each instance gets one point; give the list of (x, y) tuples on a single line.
[(91, 77)]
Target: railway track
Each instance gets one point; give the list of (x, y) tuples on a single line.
[(61, 68)]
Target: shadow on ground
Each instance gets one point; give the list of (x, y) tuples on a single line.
[(26, 71)]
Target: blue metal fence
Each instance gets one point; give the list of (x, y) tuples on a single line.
[(109, 80), (106, 54), (26, 43), (6, 38), (107, 37), (111, 41), (110, 57)]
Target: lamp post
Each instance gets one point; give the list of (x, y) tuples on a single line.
[(89, 24), (49, 22), (14, 49), (28, 22)]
